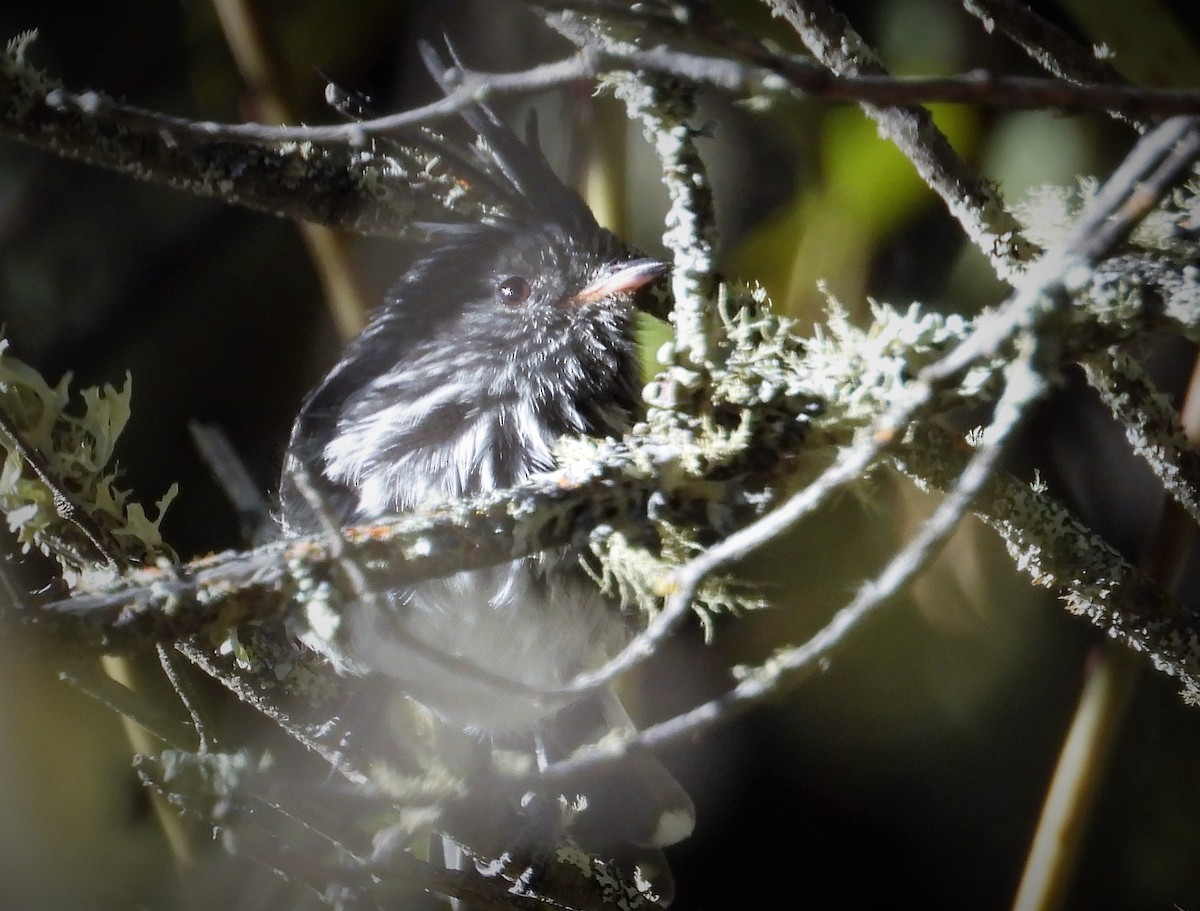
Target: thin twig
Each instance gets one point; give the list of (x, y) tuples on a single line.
[(128, 703), (1156, 163), (1042, 536), (186, 694), (1079, 773), (1041, 290), (234, 479), (260, 70), (1114, 212), (852, 465), (334, 755), (790, 666), (1113, 671), (331, 175)]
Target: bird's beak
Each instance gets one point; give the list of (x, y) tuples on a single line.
[(624, 277)]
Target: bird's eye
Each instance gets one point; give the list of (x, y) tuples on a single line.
[(514, 290)]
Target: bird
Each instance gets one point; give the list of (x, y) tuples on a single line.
[(500, 338)]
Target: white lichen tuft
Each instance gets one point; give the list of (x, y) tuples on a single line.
[(861, 373)]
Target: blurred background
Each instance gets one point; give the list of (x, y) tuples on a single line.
[(912, 771)]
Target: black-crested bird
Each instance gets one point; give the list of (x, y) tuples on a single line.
[(505, 336)]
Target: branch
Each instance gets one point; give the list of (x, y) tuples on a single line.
[(974, 202), (1156, 163), (1060, 553), (1158, 160), (665, 110), (1151, 424), (1054, 50), (348, 178), (752, 386), (750, 68), (296, 173), (168, 604), (1044, 539)]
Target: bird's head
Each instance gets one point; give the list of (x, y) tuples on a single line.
[(505, 335)]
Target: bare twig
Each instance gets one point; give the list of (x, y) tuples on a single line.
[(1052, 47), (331, 175), (333, 754), (127, 703), (249, 504), (1079, 773), (105, 549), (185, 693), (1167, 440)]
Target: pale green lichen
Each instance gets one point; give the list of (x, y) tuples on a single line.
[(75, 449), (860, 373), (15, 66)]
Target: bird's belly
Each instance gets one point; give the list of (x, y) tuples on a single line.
[(509, 631)]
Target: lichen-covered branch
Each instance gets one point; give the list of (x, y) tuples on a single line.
[(1136, 293), (1060, 553), (666, 107), (369, 189), (974, 202), (1151, 423), (360, 177), (1045, 542), (666, 110), (1054, 49), (1155, 164), (167, 603), (687, 41)]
